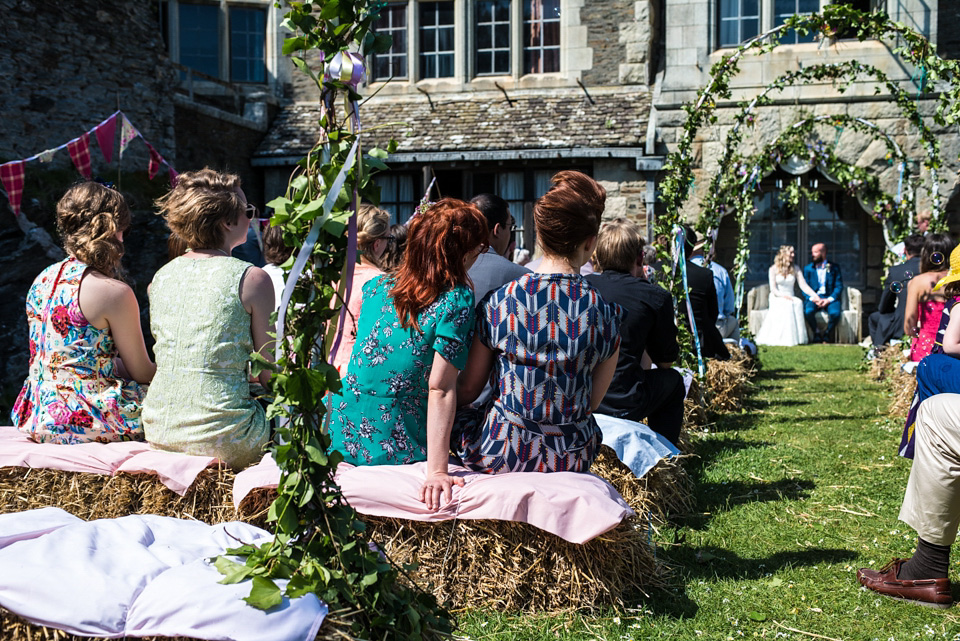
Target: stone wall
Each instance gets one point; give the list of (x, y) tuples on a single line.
[(604, 21)]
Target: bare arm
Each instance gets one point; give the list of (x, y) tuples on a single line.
[(951, 337), (912, 312), (476, 374), (602, 377), (441, 407), (804, 287), (108, 303), (256, 294)]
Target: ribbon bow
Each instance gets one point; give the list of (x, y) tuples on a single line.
[(346, 67)]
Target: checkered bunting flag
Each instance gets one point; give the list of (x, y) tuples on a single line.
[(79, 149), (11, 175)]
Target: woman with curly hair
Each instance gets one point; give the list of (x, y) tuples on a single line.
[(208, 312), (87, 355), (784, 323), (413, 334)]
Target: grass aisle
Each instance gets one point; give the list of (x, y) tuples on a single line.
[(793, 495)]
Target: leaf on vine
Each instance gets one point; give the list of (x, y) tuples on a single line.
[(264, 594)]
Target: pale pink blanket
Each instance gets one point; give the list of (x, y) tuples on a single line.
[(176, 471), (576, 507)]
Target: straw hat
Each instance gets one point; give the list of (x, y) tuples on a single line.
[(954, 274)]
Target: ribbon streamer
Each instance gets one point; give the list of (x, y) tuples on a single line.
[(679, 259), (307, 249), (346, 67)]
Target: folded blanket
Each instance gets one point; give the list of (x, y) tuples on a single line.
[(138, 575), (176, 471), (576, 507), (638, 446)]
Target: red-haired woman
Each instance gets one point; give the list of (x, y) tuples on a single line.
[(413, 336), (555, 343)]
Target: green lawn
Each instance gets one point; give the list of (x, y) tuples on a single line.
[(793, 494)]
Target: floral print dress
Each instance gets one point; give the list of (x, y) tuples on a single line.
[(380, 415), (72, 393)]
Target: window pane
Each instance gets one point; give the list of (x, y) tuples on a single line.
[(446, 65), (248, 35), (808, 6), (199, 37), (446, 39), (730, 8), (551, 34), (502, 62), (749, 29), (392, 22), (484, 40), (539, 37), (750, 8), (503, 36), (728, 33), (551, 60)]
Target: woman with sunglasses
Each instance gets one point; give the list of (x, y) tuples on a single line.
[(208, 312)]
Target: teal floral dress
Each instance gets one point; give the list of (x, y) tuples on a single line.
[(72, 393), (380, 415)]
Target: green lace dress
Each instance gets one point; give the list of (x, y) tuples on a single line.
[(199, 401)]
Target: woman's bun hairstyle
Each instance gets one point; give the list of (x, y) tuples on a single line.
[(569, 213), (89, 216)]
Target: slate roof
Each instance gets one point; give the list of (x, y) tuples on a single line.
[(557, 119)]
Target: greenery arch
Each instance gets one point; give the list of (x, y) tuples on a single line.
[(675, 187)]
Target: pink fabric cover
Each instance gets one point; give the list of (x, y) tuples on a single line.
[(176, 471), (574, 506)]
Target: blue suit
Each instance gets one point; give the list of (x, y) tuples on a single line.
[(833, 288)]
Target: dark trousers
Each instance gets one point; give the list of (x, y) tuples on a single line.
[(660, 401), (833, 317)]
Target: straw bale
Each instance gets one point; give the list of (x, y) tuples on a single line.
[(727, 384), (664, 491), (97, 496), (694, 410), (887, 363), (903, 386)]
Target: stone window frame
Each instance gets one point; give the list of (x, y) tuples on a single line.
[(170, 17)]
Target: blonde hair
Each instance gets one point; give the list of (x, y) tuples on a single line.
[(89, 216), (373, 224), (619, 244), (201, 201), (782, 262)]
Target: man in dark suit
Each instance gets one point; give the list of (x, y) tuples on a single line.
[(887, 322), (703, 300), (826, 281), (492, 270)]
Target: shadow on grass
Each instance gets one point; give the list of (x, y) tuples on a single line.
[(709, 449), (721, 497)]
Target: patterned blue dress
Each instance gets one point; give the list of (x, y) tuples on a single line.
[(549, 331), (380, 415)]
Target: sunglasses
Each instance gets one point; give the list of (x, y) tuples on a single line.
[(251, 211)]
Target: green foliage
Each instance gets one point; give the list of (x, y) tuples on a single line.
[(319, 543)]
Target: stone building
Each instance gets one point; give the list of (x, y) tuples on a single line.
[(497, 96), (699, 32)]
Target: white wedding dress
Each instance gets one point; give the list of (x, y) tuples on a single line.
[(783, 324)]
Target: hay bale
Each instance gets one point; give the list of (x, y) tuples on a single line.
[(503, 565), (903, 386), (694, 408), (727, 383), (887, 362), (664, 491)]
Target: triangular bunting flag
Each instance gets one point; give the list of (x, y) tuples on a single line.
[(127, 133), (46, 156), (155, 160), (173, 176), (106, 133), (11, 174), (79, 149)]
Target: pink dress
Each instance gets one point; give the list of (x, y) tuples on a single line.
[(922, 344), (361, 274)]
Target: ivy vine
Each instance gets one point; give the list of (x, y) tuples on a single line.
[(319, 545)]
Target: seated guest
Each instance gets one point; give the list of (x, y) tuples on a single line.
[(492, 270), (275, 253), (931, 506), (413, 336), (87, 353), (886, 323), (939, 372), (703, 301), (727, 314), (393, 254), (554, 342), (826, 282), (924, 305), (373, 235), (647, 326), (208, 312)]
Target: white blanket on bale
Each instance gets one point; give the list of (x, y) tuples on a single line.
[(638, 446), (137, 576)]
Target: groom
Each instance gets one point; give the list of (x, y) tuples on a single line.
[(825, 279)]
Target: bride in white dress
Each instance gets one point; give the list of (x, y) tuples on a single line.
[(783, 324)]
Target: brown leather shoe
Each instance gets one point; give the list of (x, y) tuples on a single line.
[(934, 593)]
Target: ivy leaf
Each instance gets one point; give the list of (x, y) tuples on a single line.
[(264, 594), (757, 616)]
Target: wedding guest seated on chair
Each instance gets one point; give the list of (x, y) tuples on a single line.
[(393, 255), (554, 342), (647, 326), (886, 323), (87, 354), (208, 312), (413, 336), (826, 282), (924, 304)]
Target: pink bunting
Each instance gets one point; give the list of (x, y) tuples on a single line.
[(12, 174), (80, 154), (106, 133), (155, 161), (173, 176)]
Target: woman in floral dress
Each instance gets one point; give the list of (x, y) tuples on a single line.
[(413, 334), (87, 355), (555, 344)]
